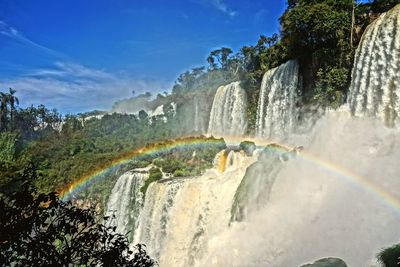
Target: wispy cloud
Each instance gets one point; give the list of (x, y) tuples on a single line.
[(70, 86), (13, 33), (75, 88), (222, 6)]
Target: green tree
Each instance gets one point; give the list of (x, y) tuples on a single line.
[(12, 99), (3, 110), (380, 6), (390, 257), (41, 230)]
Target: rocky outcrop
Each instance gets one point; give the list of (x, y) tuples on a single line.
[(327, 262)]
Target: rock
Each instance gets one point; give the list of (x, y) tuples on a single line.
[(327, 262), (248, 147)]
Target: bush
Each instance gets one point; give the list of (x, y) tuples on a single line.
[(331, 86), (155, 174), (181, 173), (8, 146), (40, 230), (390, 257), (248, 147)]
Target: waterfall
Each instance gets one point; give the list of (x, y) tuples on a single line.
[(281, 207), (228, 113), (276, 113), (199, 120), (274, 208), (181, 215), (196, 117), (288, 210), (125, 201), (375, 84)]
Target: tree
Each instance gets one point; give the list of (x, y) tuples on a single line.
[(3, 110), (380, 6), (219, 56), (12, 100), (390, 257), (40, 230)]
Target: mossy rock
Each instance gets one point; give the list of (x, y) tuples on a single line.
[(248, 147)]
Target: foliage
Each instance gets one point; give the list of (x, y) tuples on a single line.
[(318, 34), (390, 257), (155, 175), (8, 146), (331, 86), (40, 230), (380, 6), (248, 147)]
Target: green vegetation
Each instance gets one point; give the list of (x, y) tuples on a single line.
[(390, 257), (248, 147), (55, 150), (68, 148), (155, 175), (40, 230)]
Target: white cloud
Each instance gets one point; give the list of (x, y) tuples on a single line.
[(14, 34), (75, 88), (69, 86), (222, 6)]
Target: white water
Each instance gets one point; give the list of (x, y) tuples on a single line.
[(262, 211), (228, 113), (181, 215), (298, 212), (276, 113), (200, 121), (125, 201), (375, 87)]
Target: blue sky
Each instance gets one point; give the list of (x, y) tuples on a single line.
[(80, 55)]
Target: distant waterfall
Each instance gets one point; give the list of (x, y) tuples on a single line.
[(375, 85), (200, 118), (125, 201), (276, 111), (228, 113)]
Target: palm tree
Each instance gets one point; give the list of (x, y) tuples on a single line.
[(3, 110), (12, 100)]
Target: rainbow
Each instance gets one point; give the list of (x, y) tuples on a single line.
[(155, 149), (192, 142)]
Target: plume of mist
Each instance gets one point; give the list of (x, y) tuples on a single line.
[(313, 212)]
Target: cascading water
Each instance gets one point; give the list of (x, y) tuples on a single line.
[(228, 113), (274, 208), (285, 213), (276, 111), (199, 122), (181, 215), (123, 206), (375, 86)]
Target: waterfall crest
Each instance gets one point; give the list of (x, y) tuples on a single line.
[(276, 113), (228, 113), (375, 85)]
